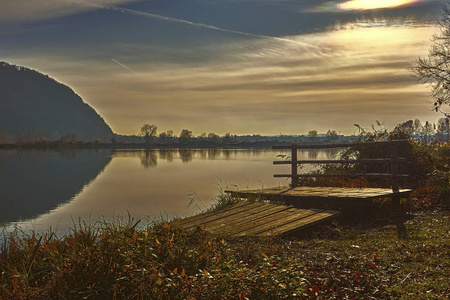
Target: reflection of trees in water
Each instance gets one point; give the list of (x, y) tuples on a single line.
[(149, 158), (214, 153), (315, 154), (186, 155), (203, 153), (166, 154)]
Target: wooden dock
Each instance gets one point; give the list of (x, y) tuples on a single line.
[(320, 196), (320, 193), (257, 219)]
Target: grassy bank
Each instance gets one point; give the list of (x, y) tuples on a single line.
[(120, 261)]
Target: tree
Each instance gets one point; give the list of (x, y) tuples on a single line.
[(435, 69), (332, 135), (443, 128), (427, 130), (417, 127), (148, 132), (213, 136), (404, 130), (185, 136), (312, 134), (226, 138)]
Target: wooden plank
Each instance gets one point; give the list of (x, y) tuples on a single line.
[(233, 222), (253, 207), (300, 224), (275, 220), (353, 175), (295, 214), (203, 215), (323, 192), (242, 213), (340, 145), (338, 161), (236, 231)]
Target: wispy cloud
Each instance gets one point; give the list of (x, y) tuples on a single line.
[(205, 26), (125, 67)]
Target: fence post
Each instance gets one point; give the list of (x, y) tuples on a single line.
[(294, 179), (395, 172)]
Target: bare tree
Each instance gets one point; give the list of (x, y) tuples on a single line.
[(435, 69), (332, 135), (312, 134), (148, 132)]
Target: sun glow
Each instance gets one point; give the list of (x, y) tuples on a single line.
[(373, 4)]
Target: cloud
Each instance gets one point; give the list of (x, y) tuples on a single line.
[(246, 85), (17, 11), (363, 5), (202, 25)]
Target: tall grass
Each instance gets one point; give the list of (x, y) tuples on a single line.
[(125, 260)]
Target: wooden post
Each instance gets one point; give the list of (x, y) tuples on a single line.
[(294, 179), (395, 172)]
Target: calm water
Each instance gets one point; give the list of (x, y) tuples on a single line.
[(52, 189)]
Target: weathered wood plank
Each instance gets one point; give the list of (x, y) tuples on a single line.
[(257, 219), (353, 175), (339, 161), (263, 222), (340, 145), (233, 222), (323, 192), (245, 210), (184, 221), (300, 224), (280, 221)]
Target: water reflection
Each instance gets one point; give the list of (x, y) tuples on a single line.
[(53, 188), (150, 157), (34, 182)]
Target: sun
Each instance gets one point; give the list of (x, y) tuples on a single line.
[(373, 4)]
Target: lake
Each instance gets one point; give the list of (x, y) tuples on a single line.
[(42, 189)]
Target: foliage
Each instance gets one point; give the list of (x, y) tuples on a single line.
[(148, 132), (163, 261), (434, 70), (427, 163)]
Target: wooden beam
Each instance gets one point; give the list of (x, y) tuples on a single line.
[(339, 145), (354, 175), (337, 161)]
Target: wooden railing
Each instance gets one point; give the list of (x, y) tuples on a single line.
[(393, 160)]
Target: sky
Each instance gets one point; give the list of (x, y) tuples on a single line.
[(231, 66)]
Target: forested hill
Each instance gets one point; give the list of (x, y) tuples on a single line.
[(35, 107)]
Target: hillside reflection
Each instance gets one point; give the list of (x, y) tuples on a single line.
[(54, 188), (34, 182)]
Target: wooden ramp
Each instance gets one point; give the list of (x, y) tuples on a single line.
[(321, 195), (257, 219)]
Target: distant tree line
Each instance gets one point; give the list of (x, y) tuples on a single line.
[(149, 136)]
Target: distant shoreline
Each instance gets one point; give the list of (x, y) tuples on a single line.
[(94, 145)]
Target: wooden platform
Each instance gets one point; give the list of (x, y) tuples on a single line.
[(257, 219), (321, 195)]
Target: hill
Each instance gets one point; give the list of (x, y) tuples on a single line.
[(35, 107)]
